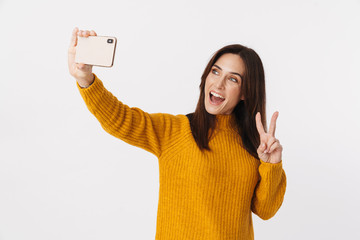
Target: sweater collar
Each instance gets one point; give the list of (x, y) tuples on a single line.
[(225, 122)]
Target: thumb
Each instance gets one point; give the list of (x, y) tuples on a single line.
[(81, 66), (84, 67), (73, 41)]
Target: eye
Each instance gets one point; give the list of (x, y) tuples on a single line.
[(233, 79), (214, 70)]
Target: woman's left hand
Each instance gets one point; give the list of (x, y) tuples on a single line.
[(270, 148)]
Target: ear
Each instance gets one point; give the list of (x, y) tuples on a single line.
[(242, 97)]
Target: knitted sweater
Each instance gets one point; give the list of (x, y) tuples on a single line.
[(203, 195)]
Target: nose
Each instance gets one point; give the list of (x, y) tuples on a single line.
[(220, 83)]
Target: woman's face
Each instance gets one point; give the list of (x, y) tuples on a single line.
[(222, 85)]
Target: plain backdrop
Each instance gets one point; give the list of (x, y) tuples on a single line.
[(63, 177)]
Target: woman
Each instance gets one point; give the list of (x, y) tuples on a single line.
[(216, 165)]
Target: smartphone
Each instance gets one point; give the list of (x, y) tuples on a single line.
[(96, 50)]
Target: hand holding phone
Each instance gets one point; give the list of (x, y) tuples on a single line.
[(80, 71)]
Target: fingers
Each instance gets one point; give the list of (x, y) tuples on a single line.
[(274, 146), (259, 124), (273, 123), (86, 33), (270, 143), (81, 33), (262, 147)]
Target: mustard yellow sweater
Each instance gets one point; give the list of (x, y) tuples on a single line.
[(203, 195)]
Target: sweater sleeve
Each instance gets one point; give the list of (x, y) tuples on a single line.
[(150, 132), (270, 190)]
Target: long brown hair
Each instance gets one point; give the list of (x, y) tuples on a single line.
[(253, 89)]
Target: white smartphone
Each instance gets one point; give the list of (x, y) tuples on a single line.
[(96, 50)]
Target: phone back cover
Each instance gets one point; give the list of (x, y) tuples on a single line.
[(95, 50)]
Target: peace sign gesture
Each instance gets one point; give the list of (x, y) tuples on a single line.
[(270, 148)]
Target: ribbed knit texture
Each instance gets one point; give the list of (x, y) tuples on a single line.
[(202, 195)]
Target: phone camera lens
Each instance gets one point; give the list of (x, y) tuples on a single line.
[(110, 41)]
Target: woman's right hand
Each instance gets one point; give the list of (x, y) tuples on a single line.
[(80, 71)]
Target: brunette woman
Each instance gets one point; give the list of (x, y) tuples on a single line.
[(217, 165)]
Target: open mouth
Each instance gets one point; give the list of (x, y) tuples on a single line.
[(216, 98)]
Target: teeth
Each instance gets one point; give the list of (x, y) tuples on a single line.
[(217, 95)]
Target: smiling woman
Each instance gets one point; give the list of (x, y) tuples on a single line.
[(233, 82), (209, 183), (222, 86)]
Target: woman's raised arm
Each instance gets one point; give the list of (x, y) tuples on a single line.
[(152, 132)]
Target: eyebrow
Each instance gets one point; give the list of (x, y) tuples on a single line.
[(230, 72)]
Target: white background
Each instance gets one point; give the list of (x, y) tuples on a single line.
[(63, 177)]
